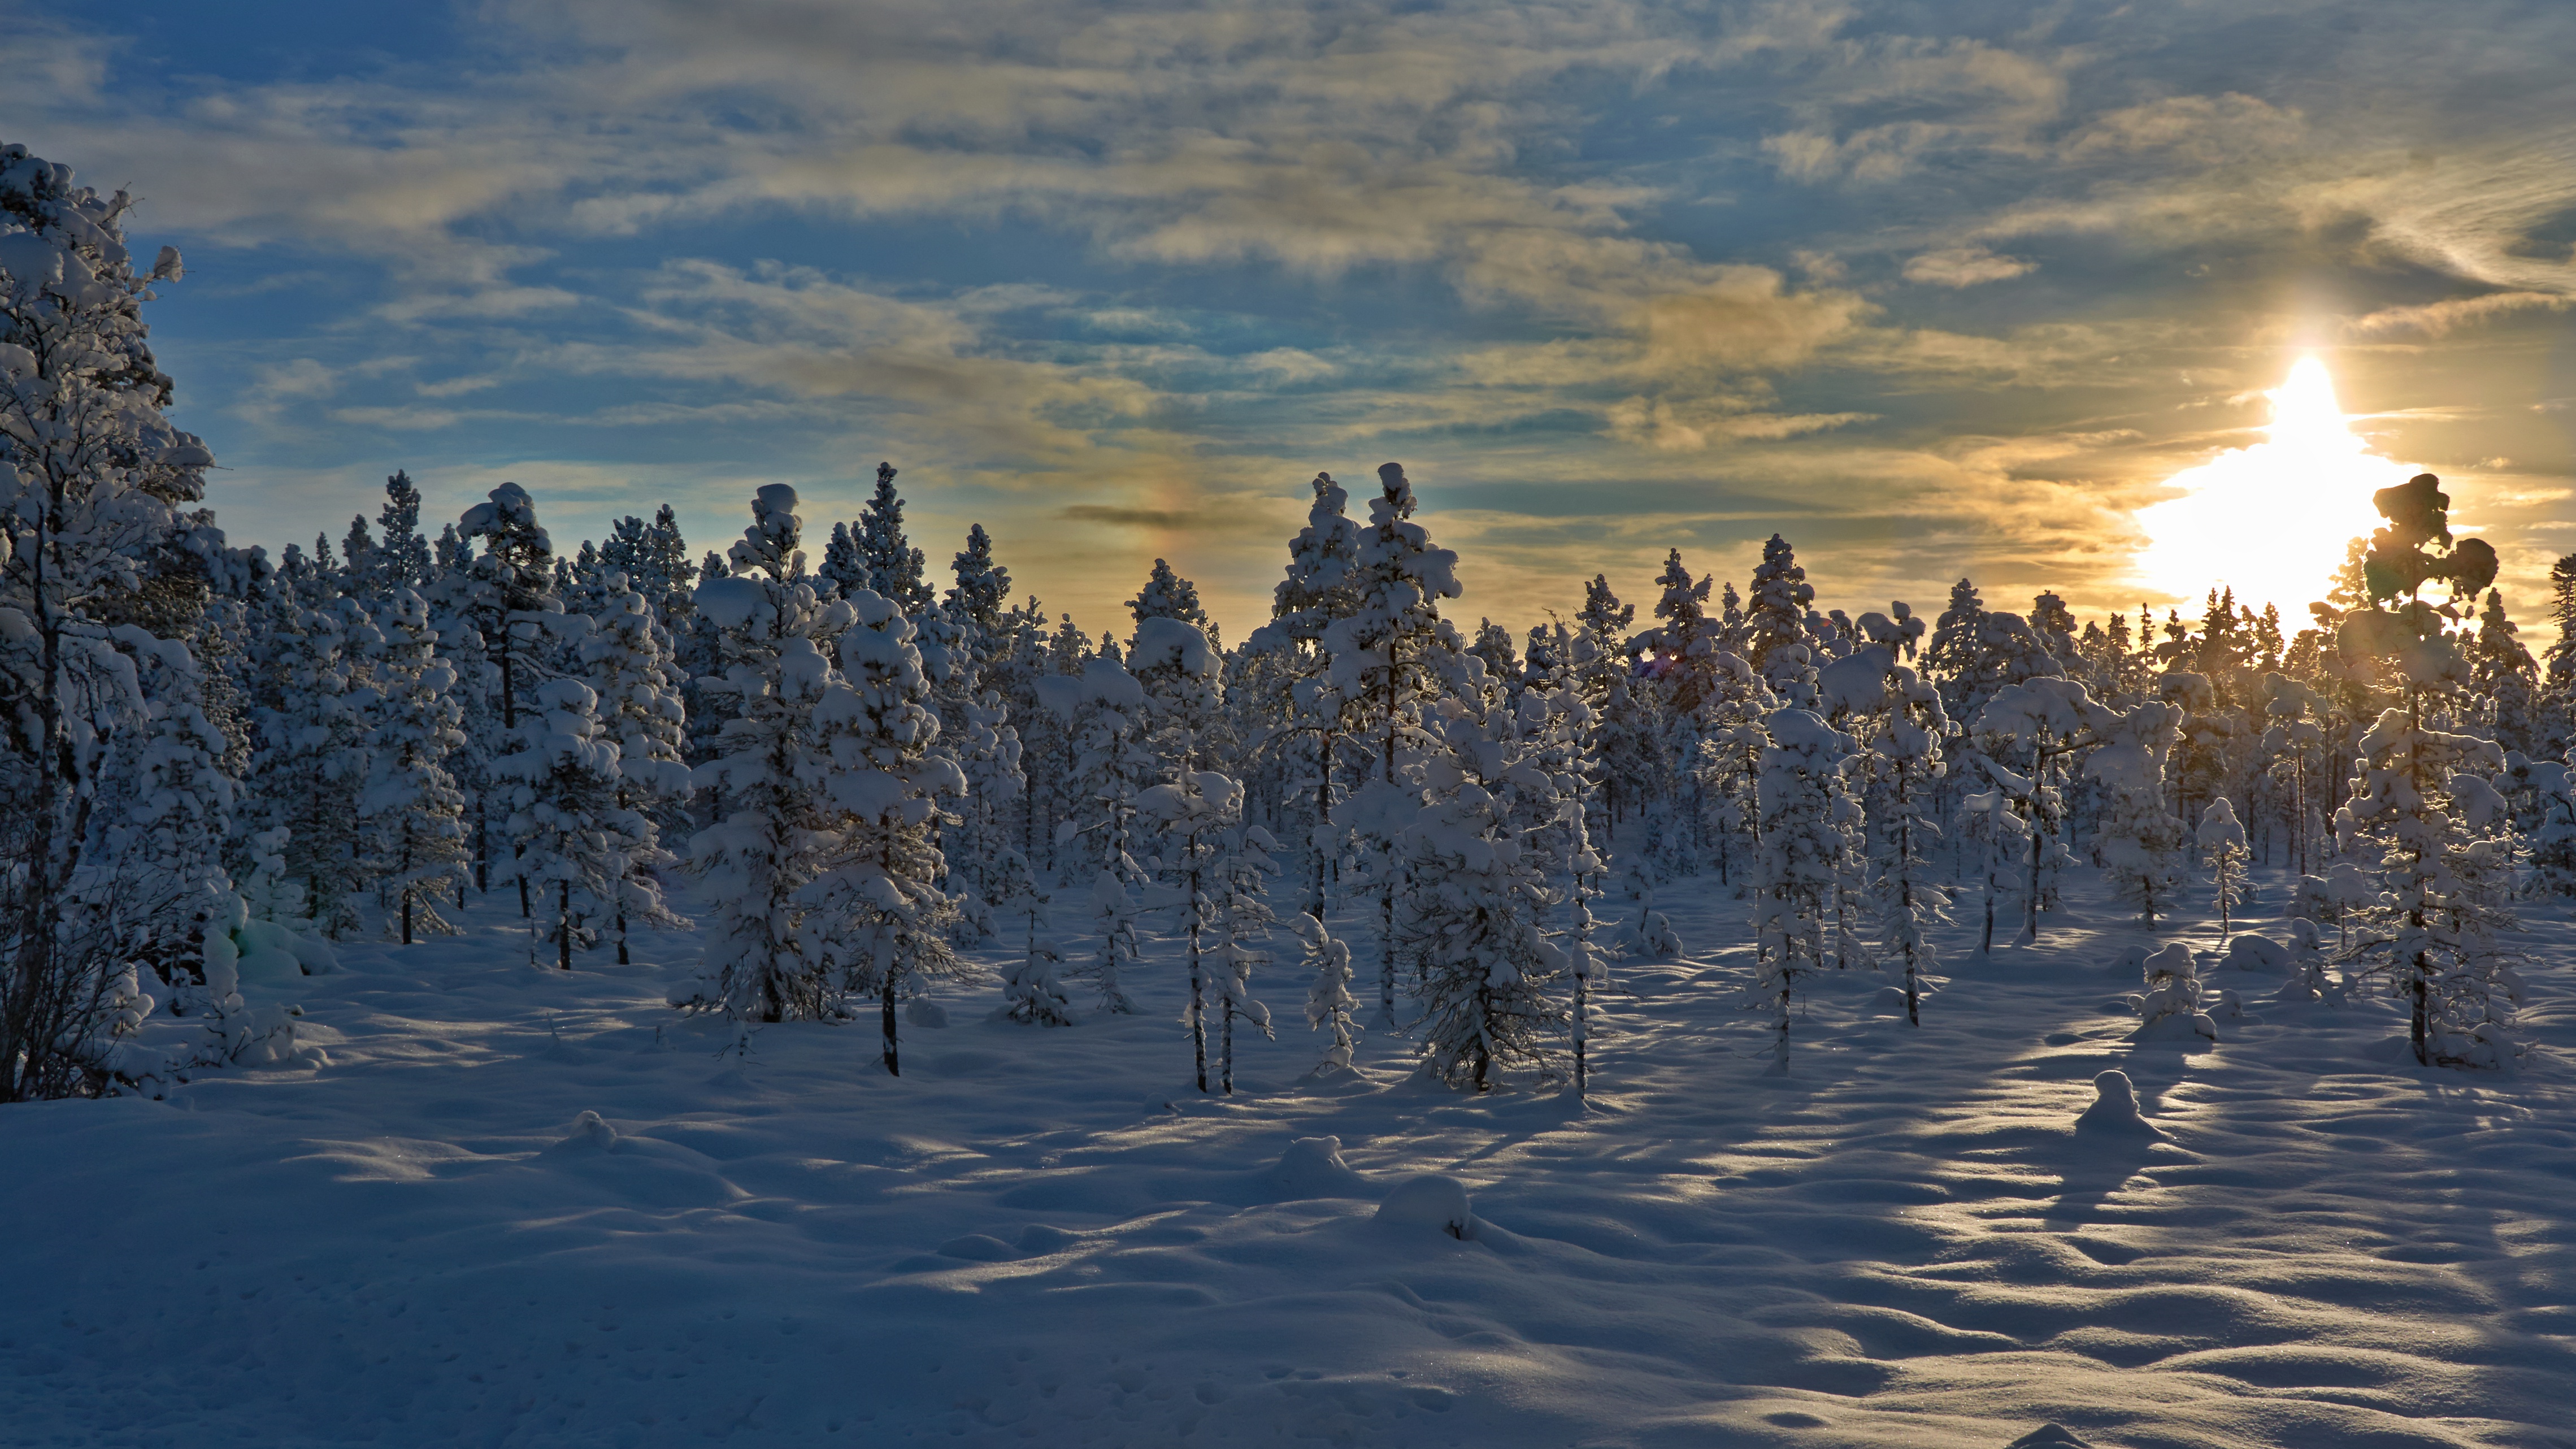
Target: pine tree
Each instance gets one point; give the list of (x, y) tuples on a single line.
[(1307, 713), (982, 596), (312, 764), (878, 890), (413, 811), (574, 837), (1475, 900), (2223, 850), (509, 594), (1777, 639), (754, 862), (627, 660), (1896, 717), (1113, 916), (843, 566), (2420, 809), (1329, 1003), (2503, 674), (2140, 842), (894, 567), (655, 559), (1796, 867)]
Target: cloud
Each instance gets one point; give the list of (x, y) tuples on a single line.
[(1159, 518), (1965, 266), (2436, 318)]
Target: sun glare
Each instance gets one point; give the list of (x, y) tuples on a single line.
[(2270, 521)]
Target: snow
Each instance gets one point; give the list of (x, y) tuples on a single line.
[(1908, 1241)]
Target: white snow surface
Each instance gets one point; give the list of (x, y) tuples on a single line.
[(522, 1207)]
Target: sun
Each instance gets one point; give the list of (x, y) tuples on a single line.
[(2270, 521)]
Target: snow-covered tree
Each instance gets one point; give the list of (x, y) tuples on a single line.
[(412, 811), (508, 592), (894, 568), (884, 917), (627, 659), (1030, 986), (2140, 842), (1384, 673), (1113, 917), (1475, 897), (2421, 809), (1896, 716), (1329, 1003), (754, 862), (1776, 633), (1796, 868), (574, 837), (2224, 851), (312, 764), (655, 559)]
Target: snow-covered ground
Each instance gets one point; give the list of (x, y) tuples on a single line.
[(1049, 1237)]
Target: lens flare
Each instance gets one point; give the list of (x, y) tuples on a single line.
[(2270, 521)]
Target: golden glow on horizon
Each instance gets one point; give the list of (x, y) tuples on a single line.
[(2270, 521)]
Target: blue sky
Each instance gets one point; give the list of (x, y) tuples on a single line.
[(1932, 289)]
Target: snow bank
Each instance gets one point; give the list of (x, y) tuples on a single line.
[(1312, 1167), (2115, 1109), (1431, 1201)]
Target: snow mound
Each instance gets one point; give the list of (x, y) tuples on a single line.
[(2050, 1436), (1312, 1167), (2115, 1113), (1431, 1200), (590, 1133), (925, 1012), (2256, 953)]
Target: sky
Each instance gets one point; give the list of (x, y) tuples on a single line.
[(1931, 290)]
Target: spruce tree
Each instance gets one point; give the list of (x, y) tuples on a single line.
[(894, 567)]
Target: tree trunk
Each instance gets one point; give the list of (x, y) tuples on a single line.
[(563, 925), (893, 1067)]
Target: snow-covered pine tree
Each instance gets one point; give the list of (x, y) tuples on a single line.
[(1384, 674), (509, 593), (1329, 1003), (2140, 842), (414, 815), (1796, 867), (1992, 836), (627, 660), (894, 567), (1475, 898), (1775, 623), (1191, 814), (400, 557), (312, 764), (2504, 676), (1307, 723), (1172, 659), (1030, 988), (655, 559), (574, 836), (884, 788), (755, 861), (843, 566), (1895, 715), (1113, 917), (2224, 852), (2420, 810), (1113, 766)]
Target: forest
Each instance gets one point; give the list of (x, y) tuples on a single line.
[(222, 765)]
